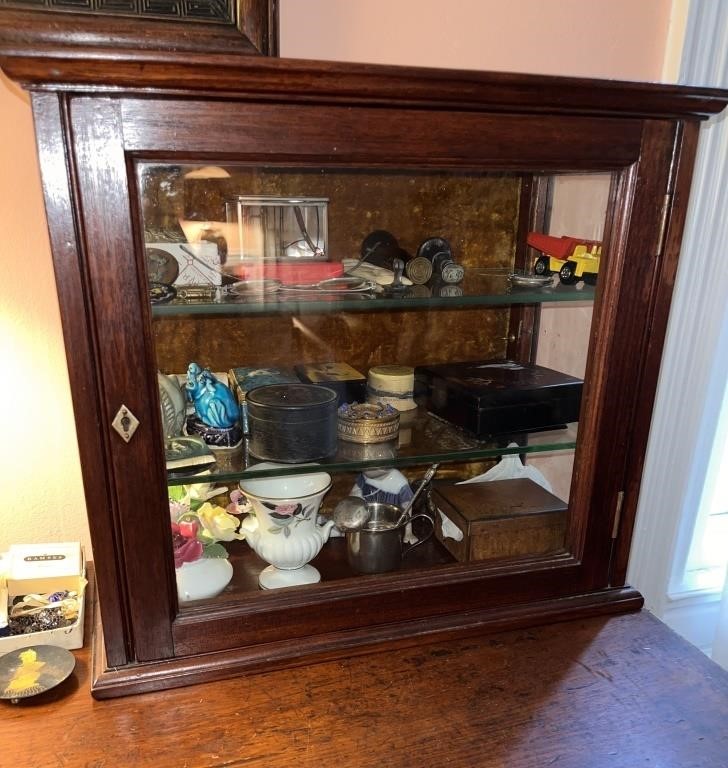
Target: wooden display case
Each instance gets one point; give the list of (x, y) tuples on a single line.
[(426, 152)]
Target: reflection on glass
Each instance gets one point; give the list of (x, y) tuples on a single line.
[(438, 302)]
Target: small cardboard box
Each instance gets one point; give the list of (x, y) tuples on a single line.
[(501, 518), (42, 569)]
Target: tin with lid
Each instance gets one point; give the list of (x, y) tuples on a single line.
[(292, 423)]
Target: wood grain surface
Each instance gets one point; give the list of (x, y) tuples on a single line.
[(614, 692)]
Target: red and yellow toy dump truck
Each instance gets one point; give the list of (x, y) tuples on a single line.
[(573, 258)]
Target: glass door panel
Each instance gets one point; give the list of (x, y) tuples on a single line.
[(326, 333)]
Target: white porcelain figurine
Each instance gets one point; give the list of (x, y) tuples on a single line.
[(389, 486)]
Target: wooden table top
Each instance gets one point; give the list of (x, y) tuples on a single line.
[(620, 691)]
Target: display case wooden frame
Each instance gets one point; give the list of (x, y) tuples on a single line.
[(93, 120)]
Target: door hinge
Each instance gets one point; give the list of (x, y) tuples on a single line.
[(513, 337), (617, 514), (664, 215)]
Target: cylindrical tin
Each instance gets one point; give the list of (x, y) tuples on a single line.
[(292, 423), (418, 270), (392, 385)]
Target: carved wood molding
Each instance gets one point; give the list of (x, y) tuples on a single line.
[(201, 26), (221, 11)]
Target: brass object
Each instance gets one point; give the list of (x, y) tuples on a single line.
[(368, 423), (197, 293)]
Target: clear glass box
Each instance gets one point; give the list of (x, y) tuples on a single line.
[(280, 228)]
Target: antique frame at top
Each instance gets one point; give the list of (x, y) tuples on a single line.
[(94, 122), (213, 26)]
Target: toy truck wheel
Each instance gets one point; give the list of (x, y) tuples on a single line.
[(567, 273), (590, 278), (541, 267)]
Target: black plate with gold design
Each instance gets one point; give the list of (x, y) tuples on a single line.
[(32, 670)]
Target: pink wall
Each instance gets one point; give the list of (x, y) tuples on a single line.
[(40, 476), (614, 38), (595, 38)]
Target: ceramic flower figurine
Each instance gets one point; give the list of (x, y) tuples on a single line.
[(215, 404), (198, 526)]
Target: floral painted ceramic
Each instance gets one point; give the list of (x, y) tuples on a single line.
[(283, 529)]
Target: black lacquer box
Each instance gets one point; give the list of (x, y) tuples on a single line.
[(498, 397)]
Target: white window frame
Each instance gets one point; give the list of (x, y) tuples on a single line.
[(692, 383)]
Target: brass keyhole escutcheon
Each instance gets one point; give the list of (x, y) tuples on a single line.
[(125, 423)]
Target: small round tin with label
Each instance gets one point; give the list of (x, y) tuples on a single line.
[(292, 423)]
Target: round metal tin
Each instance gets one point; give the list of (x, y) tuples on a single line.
[(368, 423), (419, 270), (292, 423)]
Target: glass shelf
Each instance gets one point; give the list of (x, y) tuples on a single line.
[(331, 562), (430, 440), (481, 287)]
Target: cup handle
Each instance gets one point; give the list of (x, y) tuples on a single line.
[(410, 547)]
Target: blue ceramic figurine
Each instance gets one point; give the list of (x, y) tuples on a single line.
[(215, 404)]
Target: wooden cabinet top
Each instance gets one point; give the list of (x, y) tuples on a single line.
[(50, 65)]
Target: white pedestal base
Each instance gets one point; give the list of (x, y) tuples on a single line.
[(273, 578)]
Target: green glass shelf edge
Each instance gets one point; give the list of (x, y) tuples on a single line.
[(527, 442), (480, 289)]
